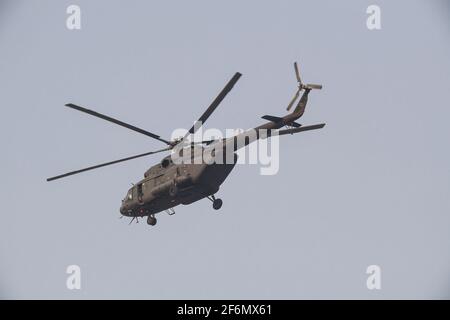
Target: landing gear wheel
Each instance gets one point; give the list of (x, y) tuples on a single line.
[(217, 204), (151, 220)]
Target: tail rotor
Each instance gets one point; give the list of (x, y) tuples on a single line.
[(301, 86)]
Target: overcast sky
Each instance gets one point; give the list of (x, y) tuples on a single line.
[(371, 188)]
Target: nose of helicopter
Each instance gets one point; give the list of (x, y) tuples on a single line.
[(123, 209)]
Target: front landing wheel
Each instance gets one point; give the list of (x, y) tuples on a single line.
[(217, 204), (151, 220)]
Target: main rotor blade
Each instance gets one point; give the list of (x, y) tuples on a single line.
[(105, 164), (214, 104), (120, 123), (198, 142)]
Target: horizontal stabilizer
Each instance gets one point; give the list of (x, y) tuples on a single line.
[(272, 118), (278, 120), (306, 128)]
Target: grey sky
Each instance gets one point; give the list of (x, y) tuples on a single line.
[(372, 187)]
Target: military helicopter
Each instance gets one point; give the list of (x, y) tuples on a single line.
[(170, 183)]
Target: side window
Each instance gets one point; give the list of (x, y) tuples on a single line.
[(165, 163), (139, 192)]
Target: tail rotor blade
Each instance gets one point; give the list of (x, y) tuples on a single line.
[(314, 86), (297, 73), (293, 99)]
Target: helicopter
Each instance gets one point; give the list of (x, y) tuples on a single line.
[(171, 182)]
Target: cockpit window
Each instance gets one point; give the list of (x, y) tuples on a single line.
[(130, 195)]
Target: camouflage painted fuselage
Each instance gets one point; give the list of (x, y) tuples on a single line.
[(168, 184)]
